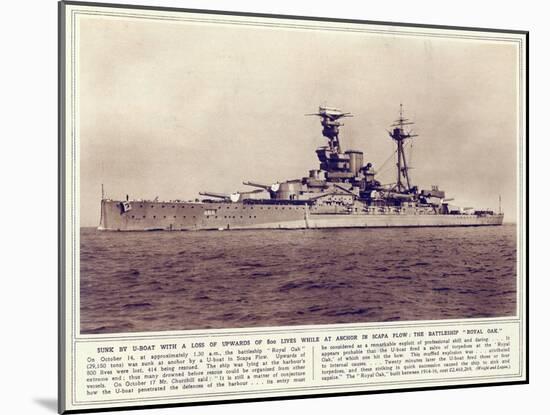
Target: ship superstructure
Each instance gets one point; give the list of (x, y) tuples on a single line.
[(342, 192)]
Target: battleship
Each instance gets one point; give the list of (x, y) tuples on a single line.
[(342, 193)]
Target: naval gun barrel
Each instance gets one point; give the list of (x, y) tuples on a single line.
[(261, 186), (233, 197), (216, 195), (269, 187)]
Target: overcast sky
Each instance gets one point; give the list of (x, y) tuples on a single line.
[(169, 109)]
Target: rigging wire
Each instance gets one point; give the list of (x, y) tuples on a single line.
[(384, 165), (381, 169)]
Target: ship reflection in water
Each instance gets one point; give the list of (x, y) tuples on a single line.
[(143, 281)]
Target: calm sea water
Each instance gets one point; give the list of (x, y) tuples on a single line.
[(145, 281)]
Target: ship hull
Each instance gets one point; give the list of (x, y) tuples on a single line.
[(186, 216)]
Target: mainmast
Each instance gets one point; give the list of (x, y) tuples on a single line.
[(399, 135)]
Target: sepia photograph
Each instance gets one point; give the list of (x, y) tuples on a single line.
[(249, 172), (267, 206)]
